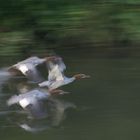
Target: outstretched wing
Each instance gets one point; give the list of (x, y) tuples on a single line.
[(56, 69), (28, 68), (34, 60)]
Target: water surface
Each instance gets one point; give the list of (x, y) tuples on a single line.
[(107, 104)]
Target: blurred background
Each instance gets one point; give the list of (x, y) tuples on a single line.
[(28, 25)]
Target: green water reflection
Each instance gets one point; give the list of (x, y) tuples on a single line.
[(107, 104)]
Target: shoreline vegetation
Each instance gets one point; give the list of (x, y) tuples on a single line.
[(38, 25)]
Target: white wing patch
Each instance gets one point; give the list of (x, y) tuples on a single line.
[(24, 102), (23, 68)]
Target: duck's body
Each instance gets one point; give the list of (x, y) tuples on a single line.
[(58, 83), (56, 77)]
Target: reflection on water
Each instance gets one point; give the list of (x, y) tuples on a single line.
[(54, 115), (31, 108)]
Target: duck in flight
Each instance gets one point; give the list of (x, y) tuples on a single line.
[(55, 66), (56, 76)]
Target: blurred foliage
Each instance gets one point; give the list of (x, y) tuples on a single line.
[(37, 24)]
